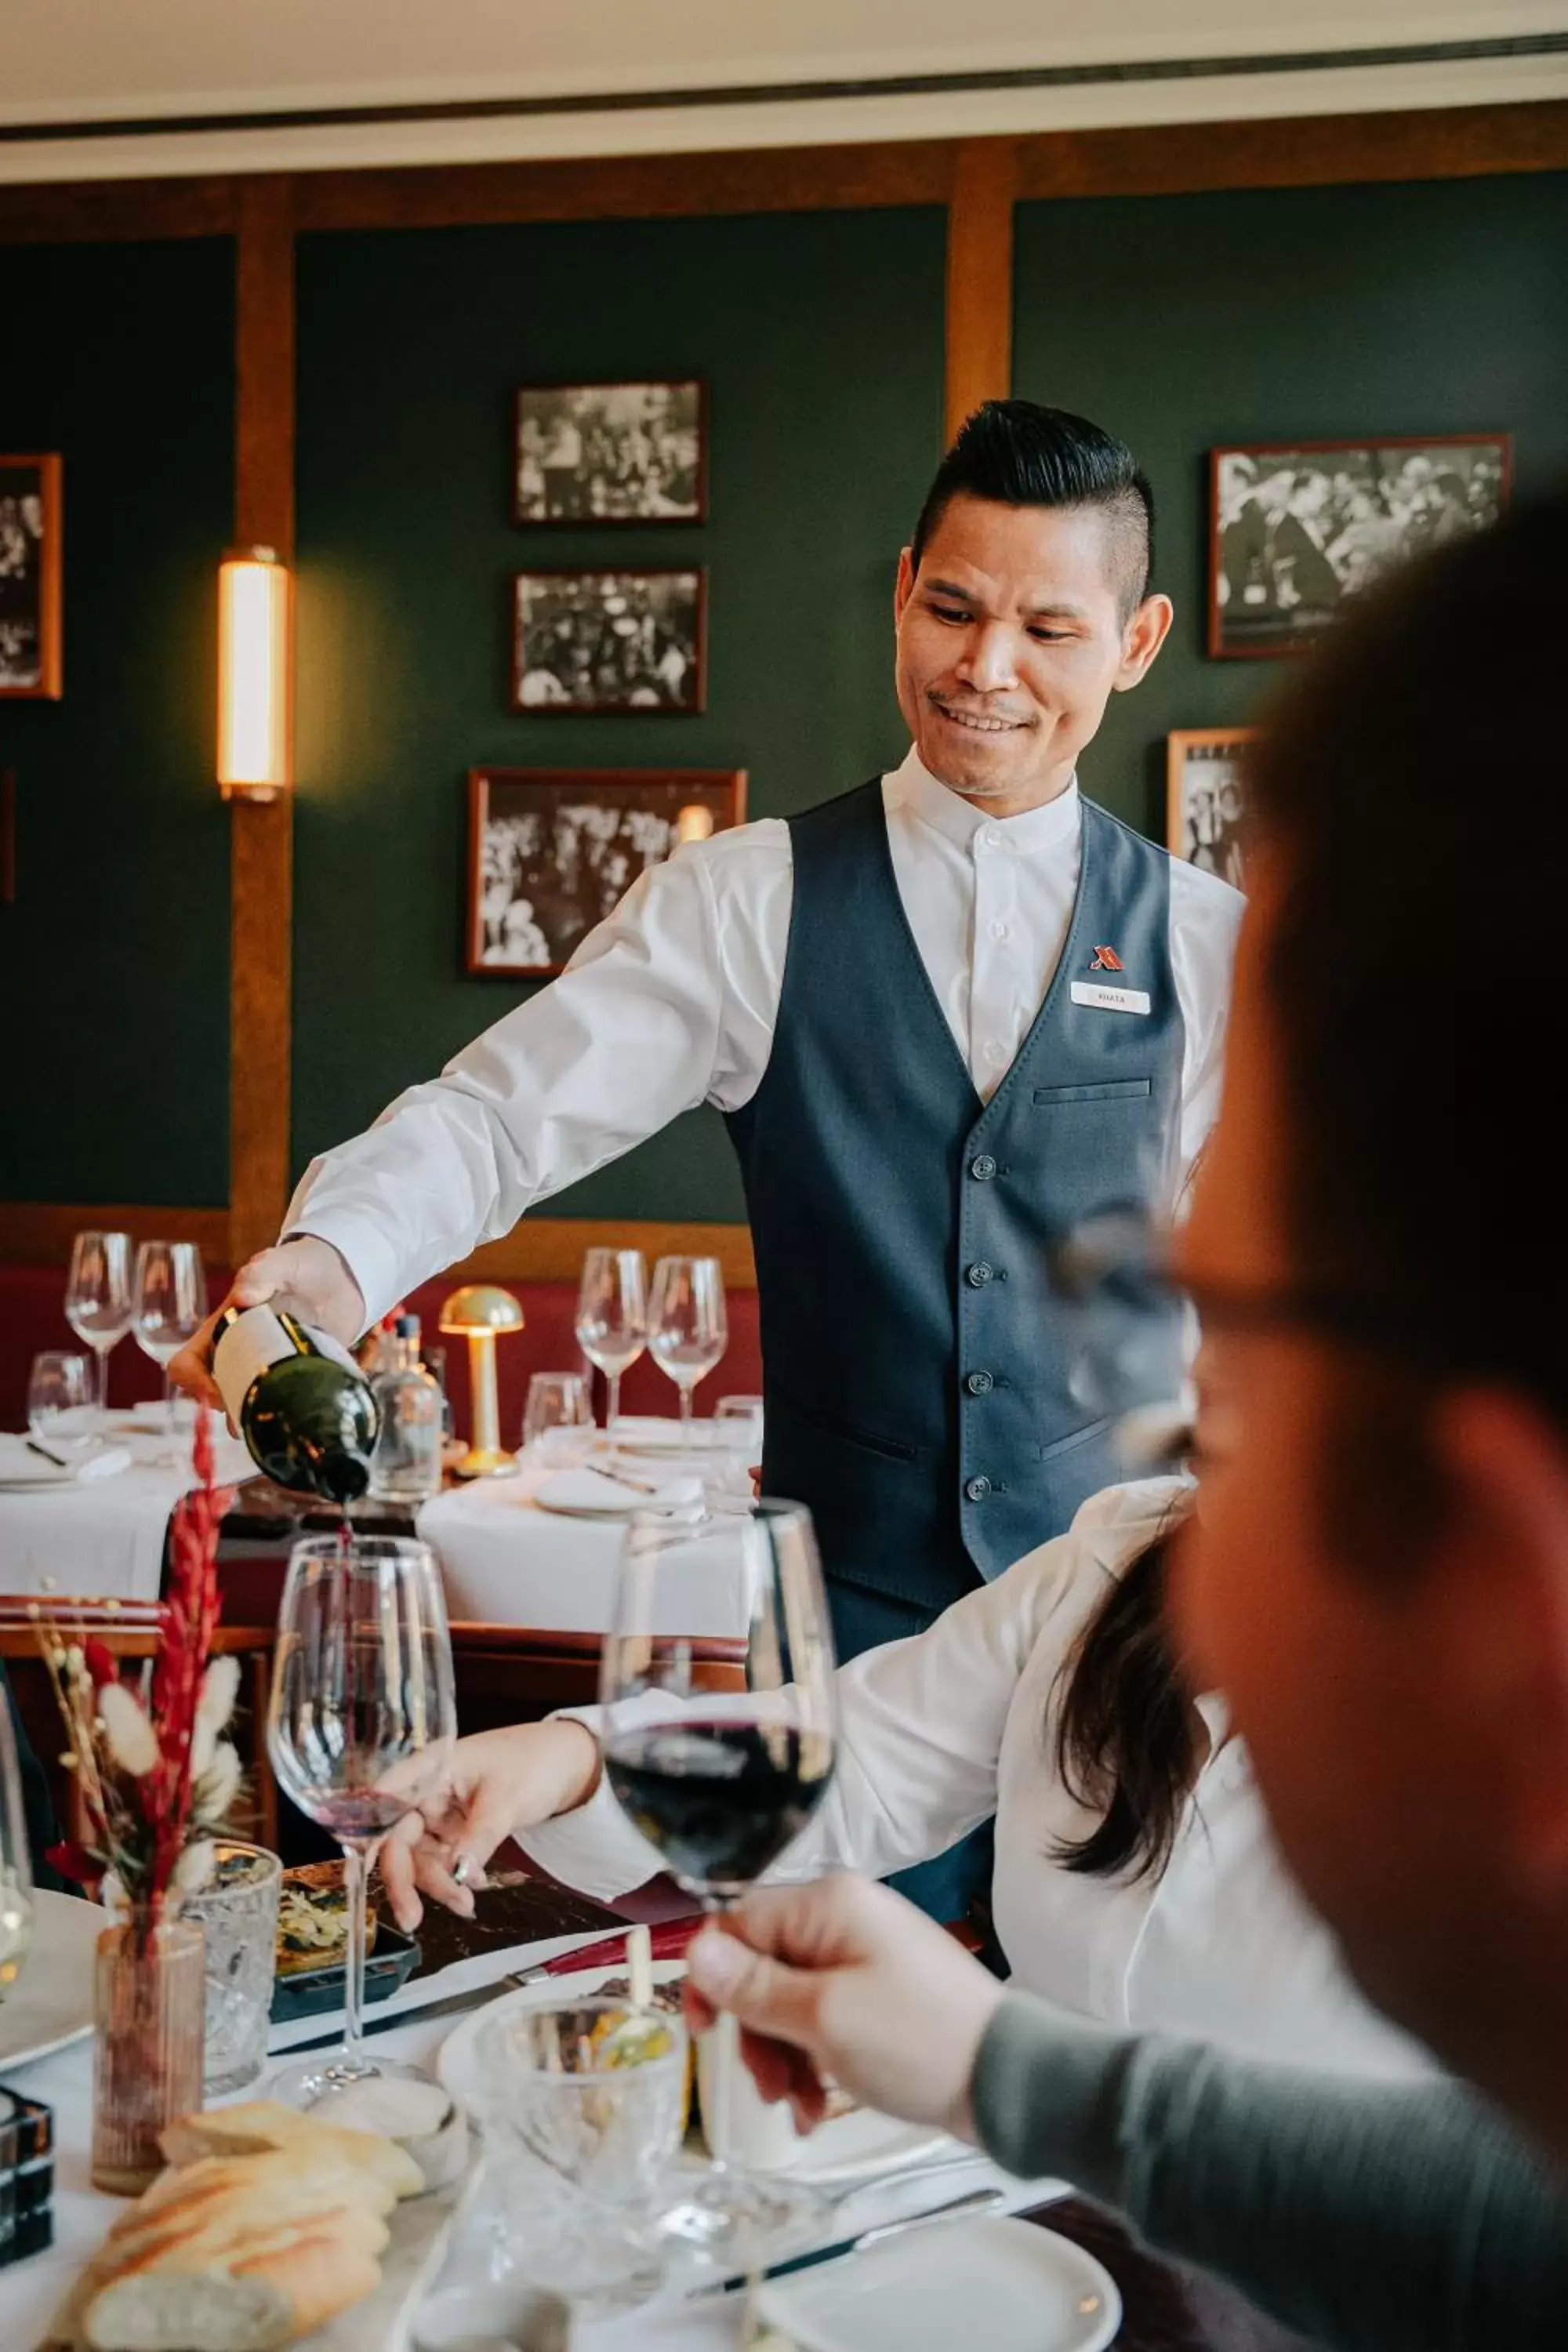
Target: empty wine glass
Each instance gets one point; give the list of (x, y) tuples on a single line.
[(688, 1327), (359, 1729), (722, 1786), (98, 1298), (61, 1413), (169, 1306), (612, 1318)]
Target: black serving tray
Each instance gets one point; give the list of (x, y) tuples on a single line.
[(308, 1992)]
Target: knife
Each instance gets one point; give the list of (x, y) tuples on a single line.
[(415, 2014), (957, 2209)]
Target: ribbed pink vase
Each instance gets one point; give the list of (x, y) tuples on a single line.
[(150, 2017)]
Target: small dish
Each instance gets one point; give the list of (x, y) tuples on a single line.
[(1011, 2285)]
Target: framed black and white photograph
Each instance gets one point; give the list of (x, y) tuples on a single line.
[(1204, 801), (553, 851), (1297, 528), (595, 452), (31, 665), (609, 640)]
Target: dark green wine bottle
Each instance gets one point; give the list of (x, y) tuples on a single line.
[(299, 1400)]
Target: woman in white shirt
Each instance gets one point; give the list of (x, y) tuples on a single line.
[(1136, 1880)]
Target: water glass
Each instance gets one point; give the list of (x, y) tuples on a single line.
[(555, 1401), (98, 1298), (237, 1912), (743, 1417), (606, 2132), (61, 1411)]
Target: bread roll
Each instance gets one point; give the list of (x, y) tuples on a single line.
[(264, 2125), (269, 2293)]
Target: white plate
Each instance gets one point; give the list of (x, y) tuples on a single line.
[(844, 2150), (1005, 2283), (51, 2004)]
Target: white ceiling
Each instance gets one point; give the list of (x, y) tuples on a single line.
[(92, 61)]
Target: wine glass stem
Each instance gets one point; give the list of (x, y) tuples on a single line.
[(168, 1406), (686, 1431), (100, 1355), (612, 1409), (725, 2038), (357, 1860)]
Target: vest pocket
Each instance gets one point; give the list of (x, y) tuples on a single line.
[(849, 1433), (1108, 1090)]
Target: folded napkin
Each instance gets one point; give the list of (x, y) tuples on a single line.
[(17, 1461), (596, 1490), (669, 1940)]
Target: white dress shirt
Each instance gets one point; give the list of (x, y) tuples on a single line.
[(938, 1732), (672, 1000)]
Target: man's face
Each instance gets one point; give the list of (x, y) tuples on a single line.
[(1349, 1679), (1010, 643)]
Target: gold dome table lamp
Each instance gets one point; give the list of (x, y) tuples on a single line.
[(476, 1313)]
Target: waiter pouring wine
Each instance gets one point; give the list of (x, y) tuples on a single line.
[(948, 1015)]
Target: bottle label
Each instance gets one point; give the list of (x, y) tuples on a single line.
[(256, 1341)]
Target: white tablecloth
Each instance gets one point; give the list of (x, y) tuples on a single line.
[(31, 2292), (504, 1561), (104, 1537)]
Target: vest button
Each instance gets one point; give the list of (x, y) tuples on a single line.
[(978, 1489), (980, 1383), (983, 1169), (980, 1275)]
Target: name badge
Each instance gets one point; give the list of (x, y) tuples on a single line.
[(1110, 999)]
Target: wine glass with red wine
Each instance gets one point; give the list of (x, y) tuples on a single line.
[(722, 1781), (360, 1728)]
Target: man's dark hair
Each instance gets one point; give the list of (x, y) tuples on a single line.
[(1022, 455)]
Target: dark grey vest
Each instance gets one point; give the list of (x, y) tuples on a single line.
[(916, 1370)]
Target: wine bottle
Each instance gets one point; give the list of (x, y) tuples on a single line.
[(299, 1400)]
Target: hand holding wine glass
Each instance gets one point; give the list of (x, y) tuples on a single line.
[(612, 1320), (722, 1787), (169, 1306), (689, 1328), (360, 1728), (98, 1299)]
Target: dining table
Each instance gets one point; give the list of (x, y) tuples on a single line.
[(518, 1926)]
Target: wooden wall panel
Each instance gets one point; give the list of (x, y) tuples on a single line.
[(979, 276), (117, 212), (1304, 150), (262, 901), (39, 1233)]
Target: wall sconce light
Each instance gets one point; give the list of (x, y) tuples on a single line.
[(476, 1313), (255, 672)]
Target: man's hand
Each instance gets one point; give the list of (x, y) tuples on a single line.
[(845, 1980), (496, 1783), (307, 1276)]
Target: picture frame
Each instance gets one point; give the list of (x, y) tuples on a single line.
[(32, 552), (632, 638), (1204, 801), (1296, 528), (603, 455), (552, 851)]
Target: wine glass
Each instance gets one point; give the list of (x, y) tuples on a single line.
[(98, 1299), (61, 1413), (169, 1306), (688, 1327), (722, 1786), (15, 1868), (360, 1728), (612, 1318)]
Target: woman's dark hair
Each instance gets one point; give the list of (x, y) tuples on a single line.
[(1022, 455), (1411, 792), (1125, 1738)]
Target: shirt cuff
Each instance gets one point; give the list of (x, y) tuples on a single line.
[(364, 1250), (593, 1848), (1046, 2094)]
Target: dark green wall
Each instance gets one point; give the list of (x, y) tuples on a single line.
[(820, 336), (1183, 322), (114, 961)]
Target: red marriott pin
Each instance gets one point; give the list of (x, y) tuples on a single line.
[(1106, 959)]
